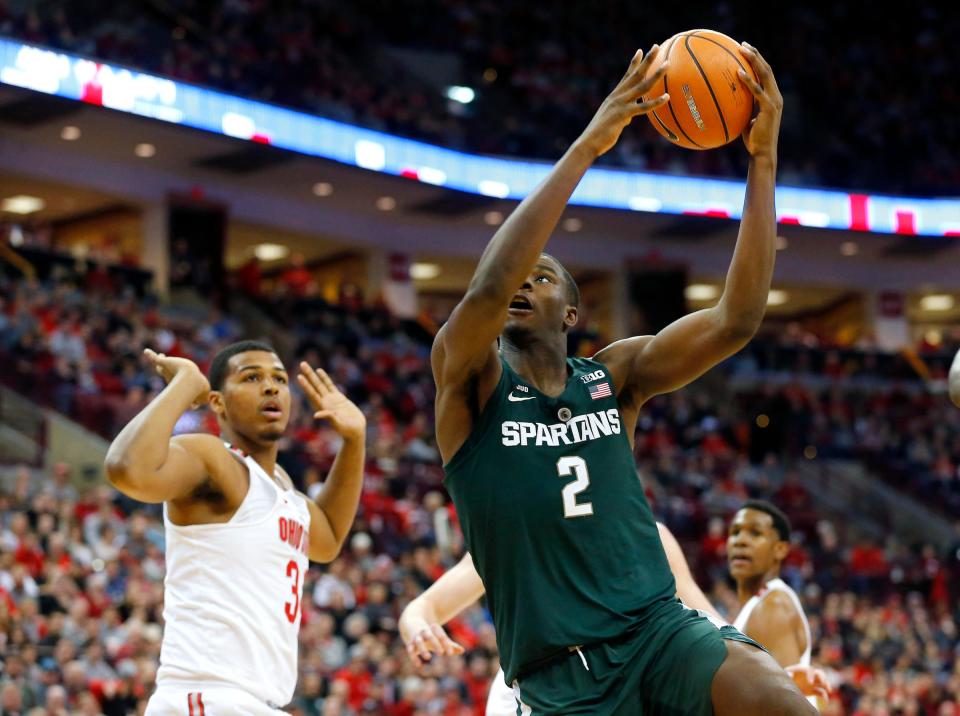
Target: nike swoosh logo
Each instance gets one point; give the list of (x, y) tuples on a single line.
[(514, 399)]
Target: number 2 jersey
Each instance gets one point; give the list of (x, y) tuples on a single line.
[(232, 595), (554, 515)]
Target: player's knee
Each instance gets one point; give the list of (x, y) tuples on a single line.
[(783, 698), (754, 684), (778, 695)]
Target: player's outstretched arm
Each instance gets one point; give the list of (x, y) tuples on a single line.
[(464, 346), (955, 380), (687, 588), (336, 506), (143, 462), (687, 348), (420, 622)]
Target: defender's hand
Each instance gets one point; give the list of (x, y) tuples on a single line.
[(330, 404), (761, 134), (622, 105), (810, 681), (168, 368)]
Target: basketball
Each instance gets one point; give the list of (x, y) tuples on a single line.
[(709, 105)]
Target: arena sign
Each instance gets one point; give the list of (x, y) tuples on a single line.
[(121, 89)]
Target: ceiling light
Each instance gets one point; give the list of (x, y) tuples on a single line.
[(572, 224), (489, 187), (849, 248), (490, 75), (424, 271), (463, 95), (70, 133), (386, 203), (782, 243), (323, 188), (144, 150), (777, 297), (270, 252), (493, 218), (937, 302), (23, 204), (701, 292)]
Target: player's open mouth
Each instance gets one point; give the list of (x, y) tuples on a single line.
[(271, 410), (520, 305), (739, 561)]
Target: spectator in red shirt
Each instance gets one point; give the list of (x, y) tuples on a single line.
[(296, 279), (357, 677)]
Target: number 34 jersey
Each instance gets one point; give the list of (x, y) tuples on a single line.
[(232, 595), (554, 515)]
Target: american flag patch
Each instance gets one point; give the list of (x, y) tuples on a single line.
[(600, 390)]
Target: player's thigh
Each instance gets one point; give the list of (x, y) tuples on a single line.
[(750, 682)]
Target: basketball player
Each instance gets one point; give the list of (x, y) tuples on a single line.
[(770, 611), (420, 622), (539, 462), (238, 536)]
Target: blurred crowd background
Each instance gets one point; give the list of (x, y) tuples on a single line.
[(81, 567)]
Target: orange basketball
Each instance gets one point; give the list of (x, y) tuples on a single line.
[(709, 104)]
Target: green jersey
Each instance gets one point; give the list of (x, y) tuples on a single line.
[(554, 515)]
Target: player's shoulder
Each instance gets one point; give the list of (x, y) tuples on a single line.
[(624, 349), (208, 448), (199, 443), (776, 604)]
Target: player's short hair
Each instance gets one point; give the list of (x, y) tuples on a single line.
[(781, 523), (573, 291), (218, 366)]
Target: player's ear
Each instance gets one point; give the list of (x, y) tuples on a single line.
[(570, 317), (780, 550), (215, 402)]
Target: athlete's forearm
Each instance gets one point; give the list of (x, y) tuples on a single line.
[(419, 613), (744, 299), (340, 495), (514, 249), (142, 446)]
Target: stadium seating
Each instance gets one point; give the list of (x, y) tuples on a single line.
[(81, 574)]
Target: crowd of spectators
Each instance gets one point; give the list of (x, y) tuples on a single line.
[(81, 600), (858, 113), (81, 571)]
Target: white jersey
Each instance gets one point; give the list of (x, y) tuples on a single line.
[(232, 595), (776, 585)]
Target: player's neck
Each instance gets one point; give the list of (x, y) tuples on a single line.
[(542, 363), (748, 588), (265, 455)]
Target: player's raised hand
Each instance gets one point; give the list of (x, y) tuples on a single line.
[(170, 367), (623, 103), (761, 134), (431, 639), (330, 404)]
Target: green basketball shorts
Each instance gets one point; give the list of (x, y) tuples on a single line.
[(663, 667)]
